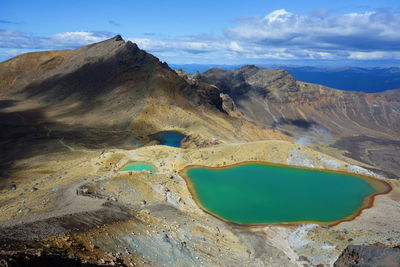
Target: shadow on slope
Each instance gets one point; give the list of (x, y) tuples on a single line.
[(95, 78), (29, 133)]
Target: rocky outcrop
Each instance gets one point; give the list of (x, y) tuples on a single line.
[(229, 106), (193, 141), (208, 92), (371, 256)]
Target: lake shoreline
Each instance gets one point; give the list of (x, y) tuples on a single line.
[(381, 186)]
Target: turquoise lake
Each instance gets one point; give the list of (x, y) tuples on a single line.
[(139, 166), (256, 193), (169, 138)]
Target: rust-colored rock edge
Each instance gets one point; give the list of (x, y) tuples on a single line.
[(382, 187)]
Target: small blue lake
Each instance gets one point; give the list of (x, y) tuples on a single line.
[(169, 138)]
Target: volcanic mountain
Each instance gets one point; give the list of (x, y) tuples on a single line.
[(108, 93), (106, 78), (71, 120)]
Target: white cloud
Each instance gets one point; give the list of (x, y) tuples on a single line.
[(193, 44), (234, 46), (280, 15), (363, 31), (374, 55), (78, 38), (20, 40)]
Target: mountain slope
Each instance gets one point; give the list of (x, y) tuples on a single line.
[(274, 98), (316, 114), (103, 76)]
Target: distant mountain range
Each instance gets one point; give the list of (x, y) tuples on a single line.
[(368, 80)]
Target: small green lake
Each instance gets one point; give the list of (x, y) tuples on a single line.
[(139, 166), (257, 193), (169, 138)]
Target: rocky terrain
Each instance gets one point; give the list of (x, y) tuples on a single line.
[(274, 98), (314, 114), (69, 120), (375, 255)]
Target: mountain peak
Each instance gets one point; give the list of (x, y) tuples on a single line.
[(118, 38)]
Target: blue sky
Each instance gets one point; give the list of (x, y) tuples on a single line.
[(357, 32)]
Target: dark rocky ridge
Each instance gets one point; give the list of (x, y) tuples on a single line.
[(271, 96)]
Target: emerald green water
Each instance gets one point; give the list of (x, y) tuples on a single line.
[(261, 193), (139, 166)]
